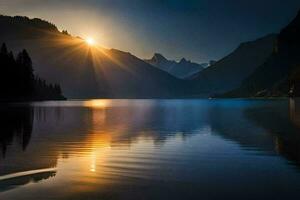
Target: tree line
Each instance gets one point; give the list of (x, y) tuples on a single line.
[(18, 82)]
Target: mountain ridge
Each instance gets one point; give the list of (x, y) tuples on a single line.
[(182, 69), (229, 72), (280, 74), (85, 71), (96, 72)]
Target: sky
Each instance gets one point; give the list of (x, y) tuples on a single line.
[(199, 30)]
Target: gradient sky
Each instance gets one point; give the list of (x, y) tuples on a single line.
[(199, 30)]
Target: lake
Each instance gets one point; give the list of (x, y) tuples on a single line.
[(150, 149)]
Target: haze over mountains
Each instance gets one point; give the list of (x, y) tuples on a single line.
[(279, 75), (229, 72), (268, 66), (84, 71), (181, 69)]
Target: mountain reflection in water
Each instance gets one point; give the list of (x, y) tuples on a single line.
[(151, 149)]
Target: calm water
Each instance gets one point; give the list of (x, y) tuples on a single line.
[(150, 149)]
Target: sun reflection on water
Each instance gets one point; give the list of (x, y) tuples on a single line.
[(100, 147), (97, 103), (93, 164)]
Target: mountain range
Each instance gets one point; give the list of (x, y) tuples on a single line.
[(279, 75), (268, 66), (229, 72), (84, 71), (181, 69)]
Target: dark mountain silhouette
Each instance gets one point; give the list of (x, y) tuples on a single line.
[(84, 71), (229, 72), (280, 74), (181, 69), (17, 81)]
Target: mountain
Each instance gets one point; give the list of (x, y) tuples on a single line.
[(280, 74), (229, 72), (85, 71), (181, 69)]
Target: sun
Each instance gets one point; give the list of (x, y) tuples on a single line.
[(90, 41)]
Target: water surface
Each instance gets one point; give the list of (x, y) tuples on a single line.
[(150, 149)]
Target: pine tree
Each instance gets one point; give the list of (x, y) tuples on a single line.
[(26, 73), (18, 82)]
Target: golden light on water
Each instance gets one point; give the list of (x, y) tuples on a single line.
[(93, 164), (102, 152), (97, 103)]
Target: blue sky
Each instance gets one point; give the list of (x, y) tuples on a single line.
[(199, 30)]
